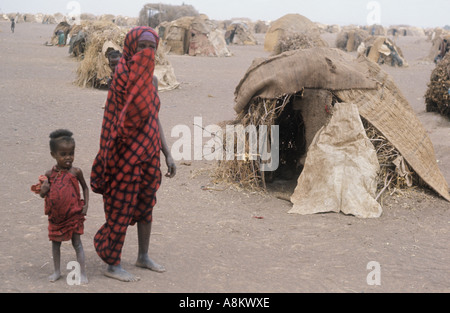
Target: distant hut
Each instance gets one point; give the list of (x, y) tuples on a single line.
[(350, 39), (376, 30), (239, 33), (195, 36), (436, 37), (405, 30), (288, 25), (382, 50), (153, 14), (65, 28), (261, 27), (49, 19)]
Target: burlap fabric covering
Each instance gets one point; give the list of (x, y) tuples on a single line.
[(340, 173)]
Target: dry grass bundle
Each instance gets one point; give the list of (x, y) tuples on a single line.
[(395, 174), (246, 173), (297, 41), (437, 96), (94, 70)]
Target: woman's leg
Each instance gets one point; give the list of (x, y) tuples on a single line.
[(143, 260)]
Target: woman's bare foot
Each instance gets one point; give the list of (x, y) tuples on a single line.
[(54, 277), (84, 280), (145, 262), (117, 272)]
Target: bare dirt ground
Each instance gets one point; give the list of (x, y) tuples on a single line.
[(209, 240)]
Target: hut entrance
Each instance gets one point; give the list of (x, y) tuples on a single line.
[(292, 143)]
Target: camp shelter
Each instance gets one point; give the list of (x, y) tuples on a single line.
[(241, 34), (350, 39), (382, 50), (436, 39), (298, 41), (287, 25), (299, 90), (93, 69), (153, 14), (405, 30), (375, 30), (195, 36), (63, 26)]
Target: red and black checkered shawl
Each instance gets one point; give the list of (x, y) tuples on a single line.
[(130, 133)]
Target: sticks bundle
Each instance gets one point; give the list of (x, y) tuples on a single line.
[(437, 96), (395, 174), (246, 173)]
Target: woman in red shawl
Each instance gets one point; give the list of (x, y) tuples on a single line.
[(126, 170)]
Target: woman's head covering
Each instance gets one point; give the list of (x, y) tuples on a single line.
[(133, 37), (132, 86), (147, 36)]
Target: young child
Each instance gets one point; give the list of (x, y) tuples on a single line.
[(63, 205)]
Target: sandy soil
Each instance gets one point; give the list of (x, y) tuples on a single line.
[(209, 240)]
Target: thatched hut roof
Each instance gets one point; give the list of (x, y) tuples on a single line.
[(288, 25)]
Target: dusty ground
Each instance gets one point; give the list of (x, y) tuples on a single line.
[(209, 241)]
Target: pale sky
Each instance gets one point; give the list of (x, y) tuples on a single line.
[(422, 13)]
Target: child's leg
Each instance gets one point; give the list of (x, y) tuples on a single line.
[(78, 246), (56, 252)]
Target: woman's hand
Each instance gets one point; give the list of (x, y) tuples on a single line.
[(171, 167)]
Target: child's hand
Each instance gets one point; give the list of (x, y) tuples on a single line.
[(37, 188), (45, 188)]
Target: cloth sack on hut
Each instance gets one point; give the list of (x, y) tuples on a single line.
[(340, 173)]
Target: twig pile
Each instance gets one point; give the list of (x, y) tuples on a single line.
[(246, 173), (297, 41), (437, 96), (395, 174)]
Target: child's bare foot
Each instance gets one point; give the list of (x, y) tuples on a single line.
[(54, 277), (117, 272), (145, 262)]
